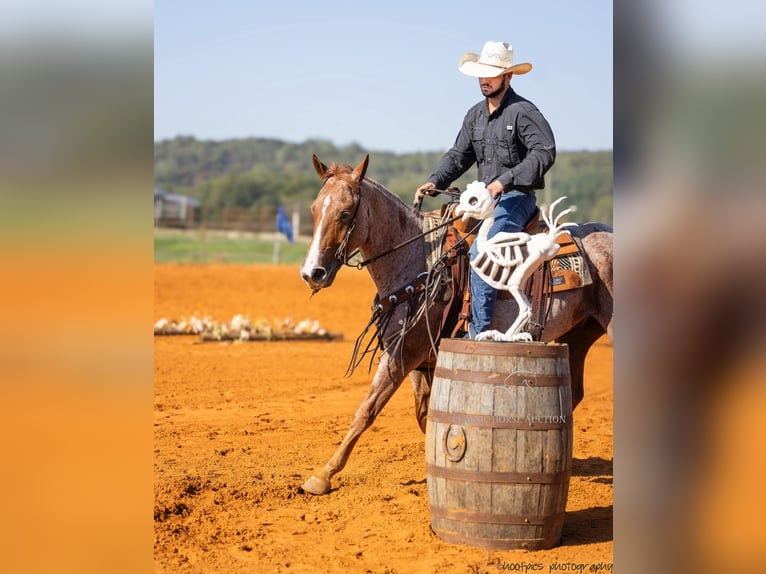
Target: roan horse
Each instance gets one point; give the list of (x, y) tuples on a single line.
[(352, 213)]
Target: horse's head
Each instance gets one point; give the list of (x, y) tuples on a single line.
[(334, 210), (475, 202)]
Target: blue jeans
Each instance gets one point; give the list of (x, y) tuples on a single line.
[(512, 213)]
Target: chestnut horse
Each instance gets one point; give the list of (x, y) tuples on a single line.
[(352, 213)]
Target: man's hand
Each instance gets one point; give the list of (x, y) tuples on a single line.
[(495, 188), (422, 191)]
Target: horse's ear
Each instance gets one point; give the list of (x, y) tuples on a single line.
[(361, 169), (319, 167)]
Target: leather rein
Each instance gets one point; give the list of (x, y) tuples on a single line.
[(341, 254)]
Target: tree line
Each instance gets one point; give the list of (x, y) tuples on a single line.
[(258, 174)]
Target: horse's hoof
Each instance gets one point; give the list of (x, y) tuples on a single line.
[(316, 486)]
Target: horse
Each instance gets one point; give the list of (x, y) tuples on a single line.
[(354, 213)]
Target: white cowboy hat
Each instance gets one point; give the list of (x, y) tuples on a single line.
[(495, 60)]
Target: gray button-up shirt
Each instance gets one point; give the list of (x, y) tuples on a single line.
[(514, 145)]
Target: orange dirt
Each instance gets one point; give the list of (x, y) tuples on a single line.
[(239, 426)]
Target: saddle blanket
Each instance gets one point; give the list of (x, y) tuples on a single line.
[(568, 268)]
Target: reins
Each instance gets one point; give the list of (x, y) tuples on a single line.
[(418, 294), (340, 254)]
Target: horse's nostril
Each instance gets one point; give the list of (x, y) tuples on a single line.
[(318, 274)]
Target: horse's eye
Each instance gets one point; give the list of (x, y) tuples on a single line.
[(345, 216), (473, 201)]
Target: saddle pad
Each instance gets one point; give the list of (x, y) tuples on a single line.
[(568, 268), (434, 240)]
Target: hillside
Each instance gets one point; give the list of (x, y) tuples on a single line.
[(257, 174)]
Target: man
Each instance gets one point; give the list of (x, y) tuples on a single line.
[(513, 146)]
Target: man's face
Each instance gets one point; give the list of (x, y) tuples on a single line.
[(491, 87)]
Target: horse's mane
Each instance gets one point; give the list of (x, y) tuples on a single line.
[(343, 172), (383, 189)]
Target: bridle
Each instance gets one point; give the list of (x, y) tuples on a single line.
[(341, 253)]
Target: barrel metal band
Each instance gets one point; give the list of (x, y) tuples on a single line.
[(489, 518), (557, 422), (493, 378), (473, 347), (498, 477)]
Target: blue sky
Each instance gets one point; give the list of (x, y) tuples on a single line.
[(380, 74)]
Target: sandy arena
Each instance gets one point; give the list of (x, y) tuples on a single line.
[(239, 426)]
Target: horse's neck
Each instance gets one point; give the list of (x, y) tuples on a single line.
[(391, 223)]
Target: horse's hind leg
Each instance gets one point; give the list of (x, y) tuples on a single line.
[(387, 379), (580, 338)]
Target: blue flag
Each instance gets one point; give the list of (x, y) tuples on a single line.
[(283, 224)]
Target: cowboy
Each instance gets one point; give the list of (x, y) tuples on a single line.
[(512, 145)]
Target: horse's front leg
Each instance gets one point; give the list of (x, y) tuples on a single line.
[(387, 379)]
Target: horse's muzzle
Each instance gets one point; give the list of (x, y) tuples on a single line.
[(315, 277), (319, 277)]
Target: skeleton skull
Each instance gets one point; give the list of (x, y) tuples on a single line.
[(475, 202)]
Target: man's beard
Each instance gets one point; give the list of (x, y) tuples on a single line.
[(497, 92)]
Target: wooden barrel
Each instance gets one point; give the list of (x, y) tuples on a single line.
[(499, 444)]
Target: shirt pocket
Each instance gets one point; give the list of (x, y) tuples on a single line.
[(477, 140), (508, 150)]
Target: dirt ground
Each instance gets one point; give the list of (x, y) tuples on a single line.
[(239, 426)]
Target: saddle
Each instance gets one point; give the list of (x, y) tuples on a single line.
[(567, 270)]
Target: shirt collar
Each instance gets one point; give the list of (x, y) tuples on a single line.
[(509, 93)]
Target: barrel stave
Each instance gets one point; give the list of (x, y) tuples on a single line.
[(499, 444)]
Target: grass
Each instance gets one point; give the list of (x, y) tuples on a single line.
[(196, 246)]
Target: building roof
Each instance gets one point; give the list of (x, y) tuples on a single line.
[(174, 197)]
